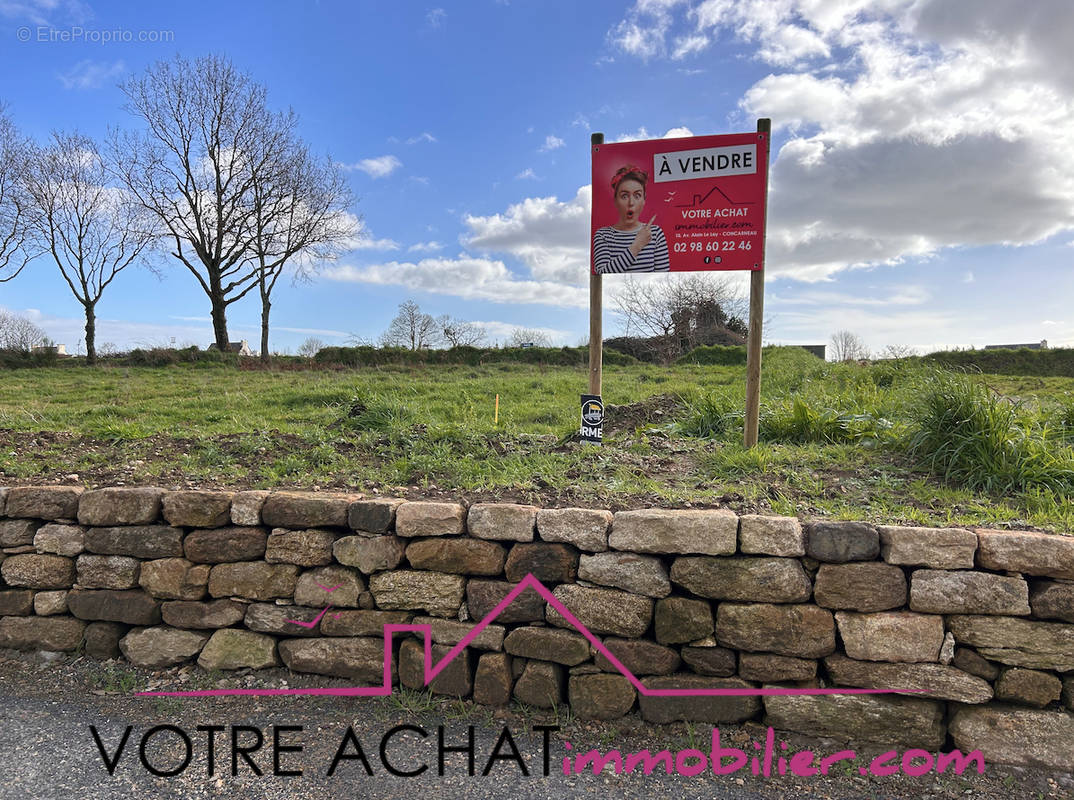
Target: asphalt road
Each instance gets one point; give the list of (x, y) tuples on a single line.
[(50, 710)]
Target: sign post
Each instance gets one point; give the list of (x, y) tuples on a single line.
[(753, 342), (596, 335), (677, 205)]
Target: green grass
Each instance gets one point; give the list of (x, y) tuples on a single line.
[(977, 439), (842, 441)]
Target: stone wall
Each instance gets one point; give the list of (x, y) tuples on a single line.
[(978, 621)]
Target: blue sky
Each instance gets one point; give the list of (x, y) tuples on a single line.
[(922, 185)]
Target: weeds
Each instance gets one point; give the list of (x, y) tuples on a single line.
[(117, 679), (800, 421), (374, 412), (1063, 417), (972, 437), (713, 416), (411, 702)]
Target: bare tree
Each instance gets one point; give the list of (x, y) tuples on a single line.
[(521, 336), (310, 347), (412, 329), (300, 218), (458, 333), (848, 346), (679, 313), (92, 229), (208, 136), (18, 333), (897, 351), (12, 200)]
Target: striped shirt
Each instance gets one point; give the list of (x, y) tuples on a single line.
[(611, 252)]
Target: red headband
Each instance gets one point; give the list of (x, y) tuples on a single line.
[(624, 171)]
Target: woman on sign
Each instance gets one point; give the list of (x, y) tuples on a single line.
[(630, 245)]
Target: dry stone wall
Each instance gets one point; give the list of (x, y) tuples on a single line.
[(975, 627)]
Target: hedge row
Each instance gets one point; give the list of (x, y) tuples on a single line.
[(468, 356), (1057, 361)]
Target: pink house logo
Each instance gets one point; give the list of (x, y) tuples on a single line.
[(432, 670)]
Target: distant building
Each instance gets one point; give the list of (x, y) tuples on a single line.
[(59, 350), (819, 350), (1041, 345), (242, 348)]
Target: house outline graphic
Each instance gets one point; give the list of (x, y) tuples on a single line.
[(431, 671)]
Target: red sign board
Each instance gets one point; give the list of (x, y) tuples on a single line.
[(680, 204)]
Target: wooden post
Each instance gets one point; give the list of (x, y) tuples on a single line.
[(753, 343), (596, 334)]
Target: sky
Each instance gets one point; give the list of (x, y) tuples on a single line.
[(922, 164)]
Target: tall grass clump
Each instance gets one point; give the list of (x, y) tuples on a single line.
[(972, 437), (802, 420), (808, 401), (369, 411), (1063, 419), (711, 416)]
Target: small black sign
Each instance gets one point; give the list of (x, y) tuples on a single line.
[(592, 418)]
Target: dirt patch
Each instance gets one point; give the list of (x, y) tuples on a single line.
[(660, 408)]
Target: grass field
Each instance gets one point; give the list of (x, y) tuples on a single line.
[(844, 441)]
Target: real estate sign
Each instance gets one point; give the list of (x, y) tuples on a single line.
[(680, 204)]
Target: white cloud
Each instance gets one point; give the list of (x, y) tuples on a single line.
[(968, 276), (369, 242), (906, 296), (464, 276), (688, 45), (425, 136), (642, 133), (913, 125), (500, 331), (435, 18), (637, 40), (379, 167), (549, 236), (90, 74), (35, 11), (878, 326), (925, 330), (643, 32), (526, 174), (551, 143), (425, 247), (639, 135)]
